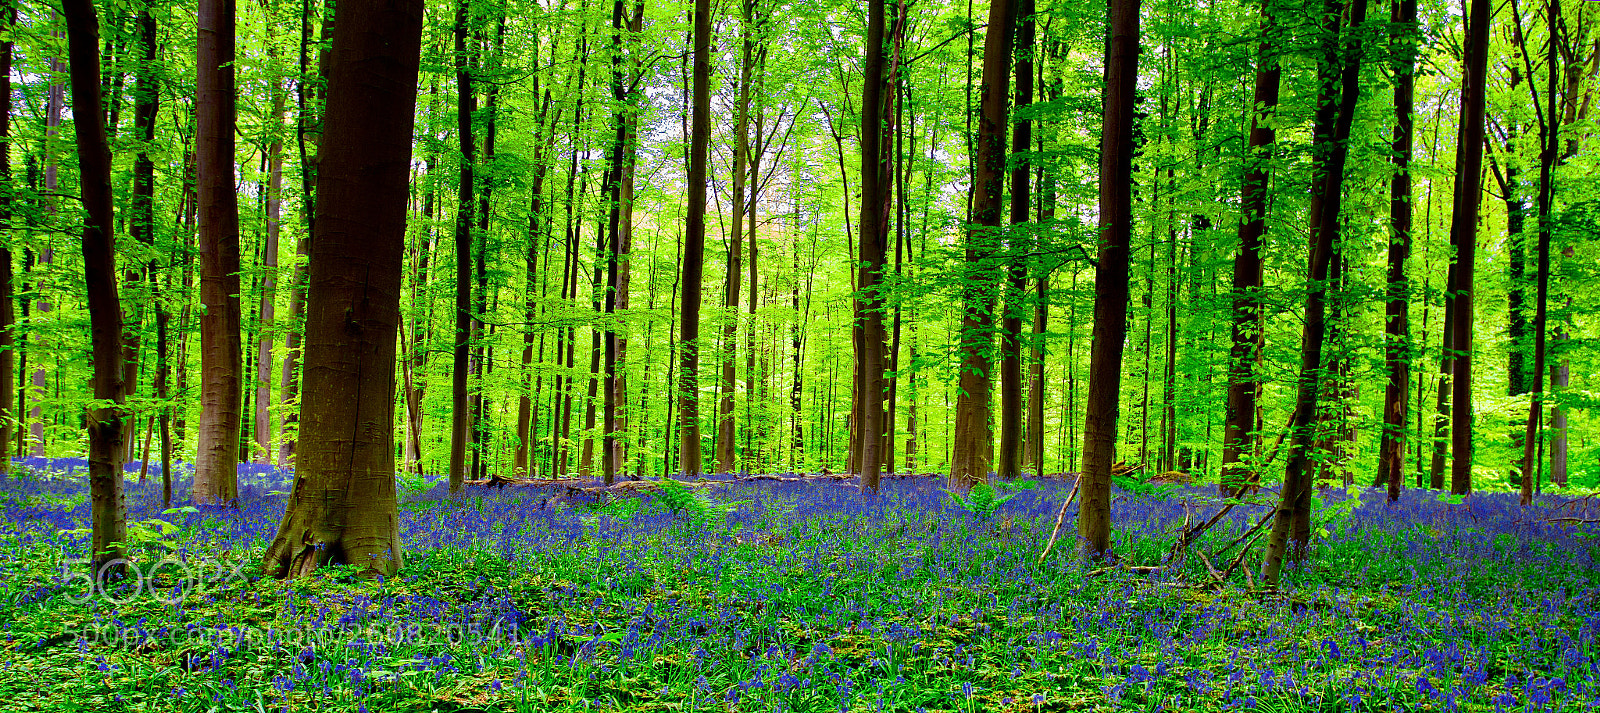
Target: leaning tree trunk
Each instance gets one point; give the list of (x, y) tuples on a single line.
[(973, 441), (342, 508), (1238, 433), (1111, 278), (1331, 138), (221, 359), (109, 523), (1397, 332), (694, 247)]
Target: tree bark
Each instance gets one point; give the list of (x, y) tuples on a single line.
[(107, 508), (1331, 136), (466, 104), (1239, 439), (1008, 465), (342, 508), (8, 288), (694, 245), (874, 224), (1464, 217), (1111, 278), (730, 298), (1397, 337), (1549, 129), (263, 420), (973, 441), (221, 357)]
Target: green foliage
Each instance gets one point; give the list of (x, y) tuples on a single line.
[(984, 500), (1143, 488)]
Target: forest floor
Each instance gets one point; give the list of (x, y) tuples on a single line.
[(798, 595)]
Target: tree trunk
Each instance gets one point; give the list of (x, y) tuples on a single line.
[(730, 296), (466, 104), (308, 132), (1239, 439), (8, 288), (1111, 278), (342, 508), (1549, 129), (1397, 337), (108, 511), (1464, 217), (1331, 135), (221, 357), (1008, 465), (55, 101), (264, 362), (694, 244), (973, 441)]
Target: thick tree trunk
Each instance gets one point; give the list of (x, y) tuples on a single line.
[(972, 447), (1239, 439), (108, 511), (342, 508), (466, 104), (1340, 76), (1464, 217), (221, 357), (1397, 331), (1111, 278)]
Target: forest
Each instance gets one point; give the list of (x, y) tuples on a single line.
[(549, 355)]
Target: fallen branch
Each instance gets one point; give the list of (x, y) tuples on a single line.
[(1136, 570), (1060, 516), (1265, 518), (1189, 535)]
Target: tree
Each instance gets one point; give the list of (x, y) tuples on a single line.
[(1464, 223), (466, 104), (1110, 277), (342, 508), (108, 511), (694, 247), (1339, 73), (1239, 469), (221, 357), (1397, 333), (8, 287), (874, 222), (973, 441), (1009, 465)]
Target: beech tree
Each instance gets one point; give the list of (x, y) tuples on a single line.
[(1110, 277), (343, 509), (108, 511), (221, 356)]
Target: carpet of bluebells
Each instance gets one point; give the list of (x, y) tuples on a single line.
[(797, 596)]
